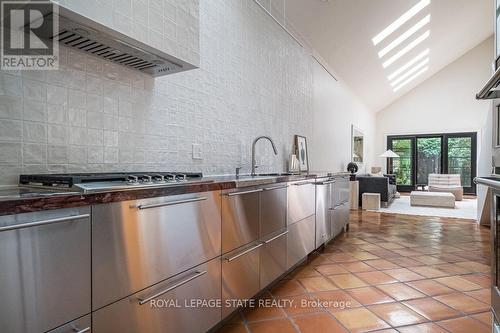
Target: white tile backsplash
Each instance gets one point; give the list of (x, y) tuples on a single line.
[(93, 116)]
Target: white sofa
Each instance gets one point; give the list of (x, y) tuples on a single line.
[(446, 183)]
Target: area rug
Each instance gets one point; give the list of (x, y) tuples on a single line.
[(465, 209)]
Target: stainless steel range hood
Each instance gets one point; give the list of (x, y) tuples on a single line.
[(490, 89), (86, 35)]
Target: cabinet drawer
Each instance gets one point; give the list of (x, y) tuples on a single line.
[(165, 307), (323, 206), (344, 189), (44, 269), (240, 217), (82, 325), (240, 275), (300, 241), (336, 221), (273, 258), (273, 209), (139, 243), (339, 218), (301, 201)]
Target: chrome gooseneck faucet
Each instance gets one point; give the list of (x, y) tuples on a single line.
[(253, 151)]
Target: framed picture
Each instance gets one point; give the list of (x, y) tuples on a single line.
[(301, 152)]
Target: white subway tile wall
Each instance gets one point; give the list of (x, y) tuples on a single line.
[(95, 116)]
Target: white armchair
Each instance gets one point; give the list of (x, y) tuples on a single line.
[(446, 183)]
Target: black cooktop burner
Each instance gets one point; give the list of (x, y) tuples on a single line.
[(69, 179)]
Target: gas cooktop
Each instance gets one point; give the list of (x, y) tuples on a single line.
[(116, 181)]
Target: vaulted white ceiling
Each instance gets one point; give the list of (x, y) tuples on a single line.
[(341, 31)]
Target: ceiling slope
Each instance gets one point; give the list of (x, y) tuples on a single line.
[(341, 31)]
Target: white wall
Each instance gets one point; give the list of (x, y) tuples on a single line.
[(336, 108), (446, 103)]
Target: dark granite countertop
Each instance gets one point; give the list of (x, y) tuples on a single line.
[(15, 200)]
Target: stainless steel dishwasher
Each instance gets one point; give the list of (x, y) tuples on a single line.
[(253, 239), (340, 201), (324, 205), (273, 205), (45, 271), (273, 233), (301, 221), (240, 217)]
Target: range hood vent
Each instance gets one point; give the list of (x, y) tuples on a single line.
[(490, 89), (85, 35)]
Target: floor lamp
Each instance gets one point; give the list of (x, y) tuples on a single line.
[(389, 154)]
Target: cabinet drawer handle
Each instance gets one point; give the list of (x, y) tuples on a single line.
[(171, 203), (275, 237), (81, 331), (44, 222), (301, 184), (275, 188), (244, 192), (326, 183), (177, 285), (244, 252)]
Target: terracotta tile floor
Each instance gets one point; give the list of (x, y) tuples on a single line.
[(388, 274)]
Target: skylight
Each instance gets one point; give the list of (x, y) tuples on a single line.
[(408, 64), (413, 77), (400, 21), (410, 72), (405, 36), (406, 49)]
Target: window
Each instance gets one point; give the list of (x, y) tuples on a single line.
[(421, 155)]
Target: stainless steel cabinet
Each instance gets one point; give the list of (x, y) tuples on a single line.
[(273, 209), (344, 191), (497, 31), (324, 204), (167, 306), (301, 201), (44, 269), (336, 220), (300, 240), (340, 210), (81, 325), (240, 217), (273, 257), (142, 242), (240, 275)]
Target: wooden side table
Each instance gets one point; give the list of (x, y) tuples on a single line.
[(354, 194)]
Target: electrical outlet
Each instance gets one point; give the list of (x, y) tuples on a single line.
[(197, 151)]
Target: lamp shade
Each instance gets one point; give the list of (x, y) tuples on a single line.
[(389, 153)]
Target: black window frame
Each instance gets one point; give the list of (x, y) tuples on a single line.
[(444, 154)]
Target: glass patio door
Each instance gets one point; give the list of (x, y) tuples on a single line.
[(461, 158), (421, 155), (429, 158), (404, 166)]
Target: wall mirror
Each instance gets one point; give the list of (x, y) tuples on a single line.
[(357, 144)]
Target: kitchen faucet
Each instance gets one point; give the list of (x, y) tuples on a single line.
[(253, 151)]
